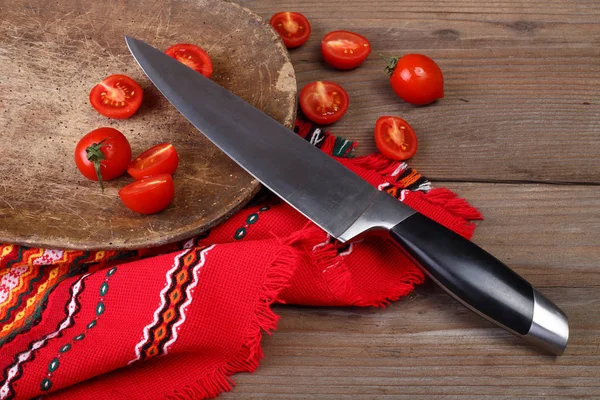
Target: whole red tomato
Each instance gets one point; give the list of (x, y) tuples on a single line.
[(103, 154), (416, 79)]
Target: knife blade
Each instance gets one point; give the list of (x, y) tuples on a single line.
[(346, 206)]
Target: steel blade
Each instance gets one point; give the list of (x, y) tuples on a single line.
[(315, 184)]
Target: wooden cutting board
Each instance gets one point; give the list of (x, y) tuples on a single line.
[(53, 53)]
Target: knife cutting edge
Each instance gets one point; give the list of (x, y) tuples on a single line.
[(346, 206)]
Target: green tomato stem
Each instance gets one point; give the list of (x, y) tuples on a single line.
[(95, 155), (391, 64)]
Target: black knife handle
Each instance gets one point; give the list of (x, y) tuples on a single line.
[(467, 272)]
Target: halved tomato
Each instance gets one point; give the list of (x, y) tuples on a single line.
[(193, 56), (149, 195), (160, 159), (344, 49), (324, 102), (395, 138), (117, 96), (293, 28)]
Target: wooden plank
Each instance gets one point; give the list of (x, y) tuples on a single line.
[(429, 346), (522, 82)]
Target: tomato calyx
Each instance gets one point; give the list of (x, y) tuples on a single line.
[(391, 64), (95, 155)]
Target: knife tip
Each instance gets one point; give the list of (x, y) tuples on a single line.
[(130, 42)]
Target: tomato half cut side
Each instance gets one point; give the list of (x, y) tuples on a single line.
[(344, 49), (395, 138), (117, 96), (149, 195), (193, 56), (160, 159), (102, 154), (324, 102), (293, 28)]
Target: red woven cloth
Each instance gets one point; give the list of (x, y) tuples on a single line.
[(177, 325)]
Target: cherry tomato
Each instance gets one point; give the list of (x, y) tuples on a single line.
[(149, 195), (416, 78), (193, 56), (103, 154), (117, 96), (395, 138), (160, 159), (324, 102), (345, 50), (293, 28)]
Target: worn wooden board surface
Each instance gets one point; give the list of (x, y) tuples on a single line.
[(522, 104), (52, 53)]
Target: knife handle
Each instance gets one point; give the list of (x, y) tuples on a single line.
[(481, 282)]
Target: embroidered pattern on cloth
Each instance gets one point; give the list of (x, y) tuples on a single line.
[(240, 233), (46, 383), (13, 372), (174, 298)]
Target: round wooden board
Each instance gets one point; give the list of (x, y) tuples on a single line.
[(52, 53)]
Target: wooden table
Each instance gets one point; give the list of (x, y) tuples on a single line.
[(518, 135)]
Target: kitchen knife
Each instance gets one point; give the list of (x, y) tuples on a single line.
[(346, 206)]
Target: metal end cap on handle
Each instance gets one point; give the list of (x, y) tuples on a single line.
[(549, 327)]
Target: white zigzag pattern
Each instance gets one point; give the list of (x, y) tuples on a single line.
[(163, 300), (183, 307), (11, 280), (24, 356)]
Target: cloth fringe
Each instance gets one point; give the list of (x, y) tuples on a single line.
[(324, 140), (451, 202), (397, 174), (402, 288), (456, 206), (217, 381)]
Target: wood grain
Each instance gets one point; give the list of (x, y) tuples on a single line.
[(52, 53), (522, 82), (428, 346)]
